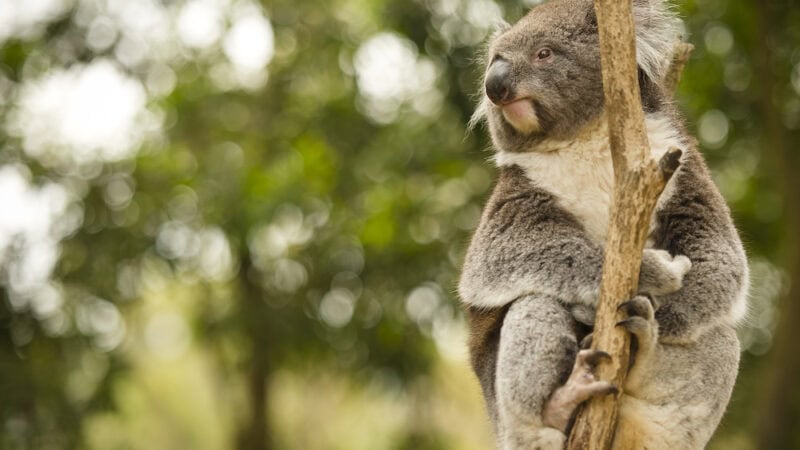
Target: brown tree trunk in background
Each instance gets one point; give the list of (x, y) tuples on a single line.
[(638, 181), (256, 434), (779, 412)]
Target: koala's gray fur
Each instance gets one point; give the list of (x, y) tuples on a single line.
[(531, 275)]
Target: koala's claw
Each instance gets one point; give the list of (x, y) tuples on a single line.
[(586, 342), (641, 323), (581, 386), (593, 358), (641, 306), (636, 326)]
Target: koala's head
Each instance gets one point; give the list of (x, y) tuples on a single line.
[(543, 77)]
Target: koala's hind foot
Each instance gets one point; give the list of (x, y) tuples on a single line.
[(581, 386), (582, 383), (641, 323)]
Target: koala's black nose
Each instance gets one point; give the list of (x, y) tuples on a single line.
[(499, 88)]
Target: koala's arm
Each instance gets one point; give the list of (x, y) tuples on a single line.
[(526, 244), (696, 222)]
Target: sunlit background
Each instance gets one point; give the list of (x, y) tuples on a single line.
[(232, 224)]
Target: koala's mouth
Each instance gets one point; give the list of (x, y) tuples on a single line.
[(521, 115)]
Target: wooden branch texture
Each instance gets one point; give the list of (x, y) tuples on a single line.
[(639, 181), (680, 57)]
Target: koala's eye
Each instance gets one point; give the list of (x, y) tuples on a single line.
[(544, 53)]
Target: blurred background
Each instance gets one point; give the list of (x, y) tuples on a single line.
[(227, 224)]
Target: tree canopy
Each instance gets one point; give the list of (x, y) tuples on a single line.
[(224, 222)]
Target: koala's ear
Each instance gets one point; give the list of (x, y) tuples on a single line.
[(657, 31), (499, 28)]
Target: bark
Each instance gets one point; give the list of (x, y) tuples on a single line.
[(680, 57), (639, 181)]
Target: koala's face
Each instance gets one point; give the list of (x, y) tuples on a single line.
[(543, 78)]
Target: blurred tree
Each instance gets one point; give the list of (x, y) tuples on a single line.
[(322, 213), (296, 180), (779, 22)]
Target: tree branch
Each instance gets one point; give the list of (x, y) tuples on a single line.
[(680, 57), (639, 181)]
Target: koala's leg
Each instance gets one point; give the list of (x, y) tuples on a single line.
[(675, 395), (538, 346)]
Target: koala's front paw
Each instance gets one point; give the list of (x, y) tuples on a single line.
[(661, 272)]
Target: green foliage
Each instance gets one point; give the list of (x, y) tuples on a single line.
[(301, 217)]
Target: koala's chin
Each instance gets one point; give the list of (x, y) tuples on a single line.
[(521, 115), (515, 127)]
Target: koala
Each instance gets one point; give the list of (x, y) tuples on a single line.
[(531, 275)]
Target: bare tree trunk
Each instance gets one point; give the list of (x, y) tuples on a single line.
[(255, 435), (779, 412), (639, 181)]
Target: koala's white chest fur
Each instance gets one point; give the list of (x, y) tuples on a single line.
[(579, 171)]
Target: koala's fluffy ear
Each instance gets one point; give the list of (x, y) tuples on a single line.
[(658, 29), (499, 28), (483, 104)]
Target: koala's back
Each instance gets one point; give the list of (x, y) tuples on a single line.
[(484, 340)]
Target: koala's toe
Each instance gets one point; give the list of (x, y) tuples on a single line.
[(591, 358), (640, 306), (586, 342), (640, 323), (637, 326), (682, 264)]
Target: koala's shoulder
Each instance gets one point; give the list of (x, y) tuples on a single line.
[(516, 199)]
